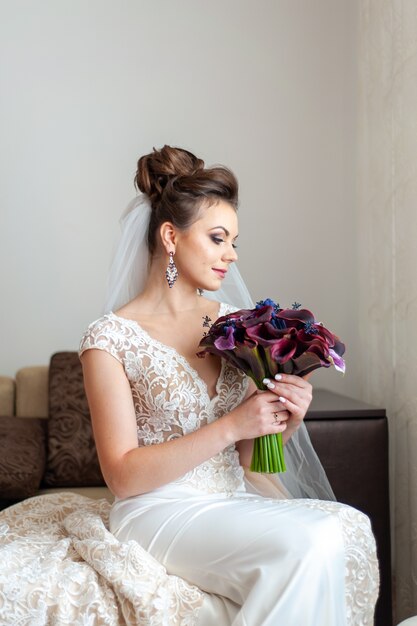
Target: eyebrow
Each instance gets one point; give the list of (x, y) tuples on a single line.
[(225, 231)]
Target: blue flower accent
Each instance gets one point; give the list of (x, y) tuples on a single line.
[(278, 323), (310, 329), (268, 302)]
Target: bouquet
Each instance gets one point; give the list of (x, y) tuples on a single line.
[(268, 340)]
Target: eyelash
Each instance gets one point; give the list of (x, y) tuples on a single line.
[(219, 240)]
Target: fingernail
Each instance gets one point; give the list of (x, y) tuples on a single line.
[(281, 399), (278, 376), (266, 381), (270, 385)]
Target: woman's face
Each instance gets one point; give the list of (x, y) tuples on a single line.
[(206, 249)]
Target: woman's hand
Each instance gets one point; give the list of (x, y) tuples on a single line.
[(295, 394), (262, 413)]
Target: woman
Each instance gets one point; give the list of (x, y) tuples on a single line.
[(174, 433)]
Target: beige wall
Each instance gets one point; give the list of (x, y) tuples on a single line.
[(267, 87)]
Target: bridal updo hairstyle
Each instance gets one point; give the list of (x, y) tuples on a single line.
[(179, 186)]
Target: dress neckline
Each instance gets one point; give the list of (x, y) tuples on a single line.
[(180, 357)]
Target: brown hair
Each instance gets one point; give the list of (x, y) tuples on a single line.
[(178, 186)]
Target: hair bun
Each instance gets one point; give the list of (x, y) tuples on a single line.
[(154, 170)]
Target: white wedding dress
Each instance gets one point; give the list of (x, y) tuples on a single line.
[(261, 559)]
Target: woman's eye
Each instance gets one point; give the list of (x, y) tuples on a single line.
[(219, 240)]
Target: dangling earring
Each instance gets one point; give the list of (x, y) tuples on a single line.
[(171, 273)]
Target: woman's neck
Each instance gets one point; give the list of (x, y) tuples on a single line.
[(157, 296)]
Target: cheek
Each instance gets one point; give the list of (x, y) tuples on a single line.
[(203, 253), (209, 254)]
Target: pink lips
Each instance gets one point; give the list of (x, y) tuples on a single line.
[(221, 273)]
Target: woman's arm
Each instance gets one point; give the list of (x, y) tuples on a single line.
[(130, 470)]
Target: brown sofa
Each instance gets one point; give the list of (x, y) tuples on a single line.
[(46, 445), (46, 441)]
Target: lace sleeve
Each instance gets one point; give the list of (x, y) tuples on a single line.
[(103, 335)]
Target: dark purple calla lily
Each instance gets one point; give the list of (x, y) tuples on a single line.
[(282, 350), (266, 334), (316, 345), (257, 316), (226, 342), (296, 317), (337, 361)]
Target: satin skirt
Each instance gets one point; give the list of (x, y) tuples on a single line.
[(261, 561)]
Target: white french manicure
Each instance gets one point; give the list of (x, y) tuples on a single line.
[(278, 376), (281, 399)]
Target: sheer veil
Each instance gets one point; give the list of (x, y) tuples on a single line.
[(305, 476)]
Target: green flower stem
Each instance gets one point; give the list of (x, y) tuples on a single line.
[(273, 454), (268, 450), (268, 454), (255, 457), (270, 463)]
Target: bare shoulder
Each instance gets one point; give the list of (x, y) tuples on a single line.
[(133, 309)]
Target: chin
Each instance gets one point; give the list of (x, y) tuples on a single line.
[(212, 285), (210, 288)]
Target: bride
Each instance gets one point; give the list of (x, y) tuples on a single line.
[(174, 432)]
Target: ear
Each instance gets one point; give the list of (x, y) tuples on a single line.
[(168, 234)]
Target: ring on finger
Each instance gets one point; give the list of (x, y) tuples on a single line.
[(276, 421)]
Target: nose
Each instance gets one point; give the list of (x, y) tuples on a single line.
[(230, 255)]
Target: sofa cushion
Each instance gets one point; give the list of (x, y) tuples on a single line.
[(71, 453), (22, 456), (7, 395), (32, 391)]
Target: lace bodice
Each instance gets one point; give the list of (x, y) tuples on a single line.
[(170, 398)]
